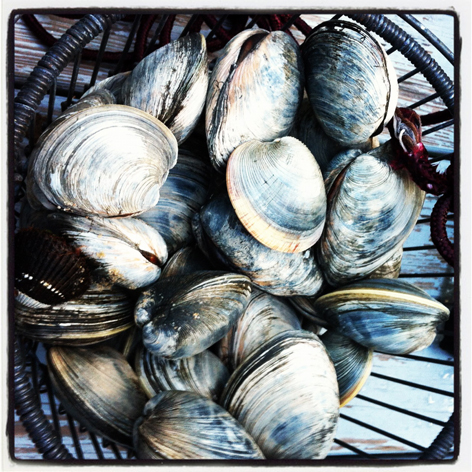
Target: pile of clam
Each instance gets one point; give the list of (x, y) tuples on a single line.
[(219, 256)]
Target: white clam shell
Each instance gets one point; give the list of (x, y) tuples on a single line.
[(254, 92), (286, 396), (128, 251), (109, 160), (171, 84), (277, 191)]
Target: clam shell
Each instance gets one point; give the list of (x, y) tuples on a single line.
[(203, 373), (109, 160), (372, 210), (184, 425), (184, 192), (387, 315), (353, 364), (99, 314), (171, 84), (182, 316), (127, 250), (285, 394), (221, 236), (391, 269), (264, 317), (97, 387), (277, 191), (350, 81), (254, 92), (185, 261), (47, 268)]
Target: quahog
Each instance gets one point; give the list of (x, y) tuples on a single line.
[(285, 394), (185, 425), (276, 189), (350, 81), (255, 90), (97, 387), (387, 315), (182, 316)]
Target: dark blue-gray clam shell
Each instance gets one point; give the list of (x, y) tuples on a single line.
[(185, 425), (181, 316), (387, 315), (350, 81)]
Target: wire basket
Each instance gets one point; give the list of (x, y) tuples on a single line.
[(117, 42)]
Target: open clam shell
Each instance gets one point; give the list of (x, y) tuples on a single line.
[(127, 250), (285, 394), (277, 191), (182, 316), (97, 387), (353, 364), (203, 373), (47, 268), (108, 160), (350, 81), (387, 315), (372, 210), (184, 192), (264, 317), (221, 236), (171, 84), (185, 425), (100, 313), (254, 92)]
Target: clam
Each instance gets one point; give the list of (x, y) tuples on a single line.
[(184, 192), (304, 306), (97, 387), (372, 210), (48, 270), (109, 160), (264, 317), (181, 316), (127, 251), (185, 425), (203, 373), (353, 364), (171, 84), (285, 394), (277, 191), (350, 81), (254, 92), (100, 313), (387, 315), (223, 238)]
